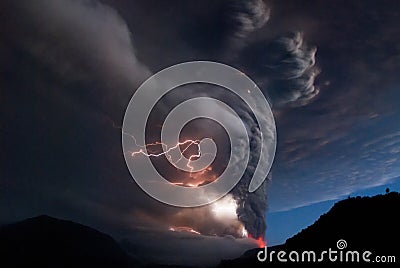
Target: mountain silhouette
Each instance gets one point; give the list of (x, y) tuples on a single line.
[(364, 223), (359, 223), (48, 242)]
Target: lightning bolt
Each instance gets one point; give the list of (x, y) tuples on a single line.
[(144, 148), (167, 150)]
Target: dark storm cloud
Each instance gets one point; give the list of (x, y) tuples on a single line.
[(221, 26), (67, 71), (247, 16), (285, 68), (79, 41), (73, 57), (64, 64), (358, 53), (359, 58), (67, 68), (81, 55)]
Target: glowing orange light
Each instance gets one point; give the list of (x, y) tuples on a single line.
[(183, 229), (261, 242)]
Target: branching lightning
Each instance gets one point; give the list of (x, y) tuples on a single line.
[(166, 152)]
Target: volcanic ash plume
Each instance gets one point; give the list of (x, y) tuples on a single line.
[(252, 206)]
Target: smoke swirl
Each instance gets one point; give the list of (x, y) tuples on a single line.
[(142, 104)]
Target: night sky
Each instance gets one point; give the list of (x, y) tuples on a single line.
[(68, 69)]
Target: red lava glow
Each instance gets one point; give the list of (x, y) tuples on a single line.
[(261, 242)]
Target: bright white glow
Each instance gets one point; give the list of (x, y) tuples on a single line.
[(244, 232), (225, 208)]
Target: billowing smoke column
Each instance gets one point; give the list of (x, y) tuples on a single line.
[(252, 207), (285, 71)]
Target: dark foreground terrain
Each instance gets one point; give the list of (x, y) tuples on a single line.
[(361, 224), (49, 242)]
